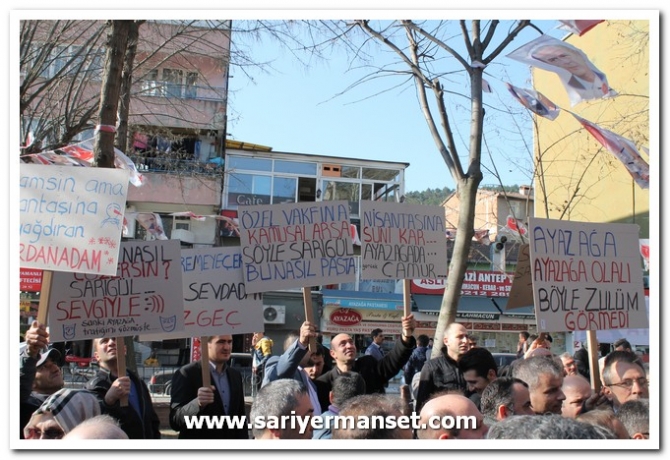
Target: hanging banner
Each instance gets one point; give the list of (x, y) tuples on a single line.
[(402, 241), (621, 148), (293, 245), (534, 101), (579, 26), (71, 218), (586, 276), (582, 79), (145, 296)]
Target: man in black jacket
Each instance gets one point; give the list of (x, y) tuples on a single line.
[(442, 373), (138, 419), (224, 397), (375, 373)]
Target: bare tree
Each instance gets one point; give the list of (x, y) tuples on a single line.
[(427, 57)]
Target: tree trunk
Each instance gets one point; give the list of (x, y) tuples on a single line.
[(117, 41), (123, 141)]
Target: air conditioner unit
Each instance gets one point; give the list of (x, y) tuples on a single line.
[(185, 236), (274, 314)]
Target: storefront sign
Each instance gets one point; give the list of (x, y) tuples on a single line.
[(345, 317), (364, 327), (475, 315), (368, 304), (31, 280), (365, 314), (475, 283)]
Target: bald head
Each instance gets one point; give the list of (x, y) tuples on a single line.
[(343, 351), (577, 390), (470, 423), (99, 427), (456, 340)]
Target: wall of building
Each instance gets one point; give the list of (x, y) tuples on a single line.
[(579, 174)]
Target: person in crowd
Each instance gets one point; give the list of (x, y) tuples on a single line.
[(622, 345), (40, 374), (523, 344), (606, 419), (472, 341), (624, 378), (261, 350), (60, 413), (315, 364), (504, 397), (138, 418), (291, 364), (430, 348), (457, 407), (551, 426), (569, 365), (282, 398), (375, 373), (225, 396), (327, 359), (544, 377), (634, 415), (345, 386), (581, 357), (577, 391), (417, 359), (371, 406), (98, 427), (442, 373), (375, 348), (479, 368)]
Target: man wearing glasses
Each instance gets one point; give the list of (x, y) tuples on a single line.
[(624, 378)]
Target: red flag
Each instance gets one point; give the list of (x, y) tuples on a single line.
[(621, 148), (579, 26)]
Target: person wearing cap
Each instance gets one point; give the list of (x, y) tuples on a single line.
[(60, 413), (138, 418), (40, 374)]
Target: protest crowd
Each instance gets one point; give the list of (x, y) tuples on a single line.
[(538, 396)]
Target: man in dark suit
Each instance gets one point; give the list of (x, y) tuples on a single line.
[(224, 397)]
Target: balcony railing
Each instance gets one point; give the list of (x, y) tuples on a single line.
[(176, 165), (157, 88)]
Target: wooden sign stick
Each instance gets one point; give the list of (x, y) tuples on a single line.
[(121, 365), (309, 314), (592, 340), (204, 362), (45, 293), (407, 300)]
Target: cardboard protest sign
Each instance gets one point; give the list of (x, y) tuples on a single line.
[(145, 296), (71, 218), (582, 80), (293, 245), (586, 276), (215, 297), (402, 241), (521, 294)]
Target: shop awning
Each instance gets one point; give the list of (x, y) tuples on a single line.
[(473, 307)]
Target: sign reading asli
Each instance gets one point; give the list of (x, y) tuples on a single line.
[(586, 276), (582, 79), (71, 218), (475, 283)]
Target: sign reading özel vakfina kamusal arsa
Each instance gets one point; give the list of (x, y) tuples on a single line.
[(586, 276), (215, 297), (293, 245), (402, 241), (145, 296), (71, 218)]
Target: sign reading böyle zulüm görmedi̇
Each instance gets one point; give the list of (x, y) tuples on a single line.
[(293, 245), (71, 218), (402, 241), (145, 296), (586, 276), (215, 297)]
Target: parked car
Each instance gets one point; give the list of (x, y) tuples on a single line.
[(161, 380)]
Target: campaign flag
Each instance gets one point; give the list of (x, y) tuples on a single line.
[(534, 101)]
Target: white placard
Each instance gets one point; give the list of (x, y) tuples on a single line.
[(144, 297), (71, 218)]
